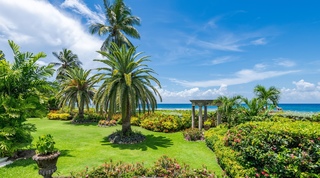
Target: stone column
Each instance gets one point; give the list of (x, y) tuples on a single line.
[(193, 115), (218, 118), (205, 112), (200, 117)]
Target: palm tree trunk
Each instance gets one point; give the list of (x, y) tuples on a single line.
[(126, 125)]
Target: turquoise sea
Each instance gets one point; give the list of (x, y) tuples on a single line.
[(285, 107)]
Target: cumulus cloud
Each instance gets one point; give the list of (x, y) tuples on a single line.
[(39, 26), (193, 93), (302, 92)]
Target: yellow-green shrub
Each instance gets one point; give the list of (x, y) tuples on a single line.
[(59, 116)]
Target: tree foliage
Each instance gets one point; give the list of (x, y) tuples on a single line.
[(119, 23), (23, 93), (126, 83)]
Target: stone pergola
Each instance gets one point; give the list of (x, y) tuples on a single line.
[(201, 103)]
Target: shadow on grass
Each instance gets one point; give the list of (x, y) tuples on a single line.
[(81, 124), (65, 153), (152, 142), (22, 163)]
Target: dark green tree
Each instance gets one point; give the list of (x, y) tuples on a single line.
[(77, 89), (126, 84), (23, 94)]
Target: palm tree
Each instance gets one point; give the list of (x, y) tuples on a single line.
[(67, 60), (254, 106), (227, 107), (267, 96), (77, 89), (119, 22), (126, 84)]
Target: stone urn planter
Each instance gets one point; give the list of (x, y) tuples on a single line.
[(47, 156), (47, 163)]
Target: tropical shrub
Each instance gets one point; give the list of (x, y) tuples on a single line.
[(104, 123), (277, 149), (163, 167), (160, 122), (58, 116), (315, 117), (193, 134)]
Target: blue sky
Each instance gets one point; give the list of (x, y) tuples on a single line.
[(200, 49)]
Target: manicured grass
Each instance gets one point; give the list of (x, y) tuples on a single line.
[(84, 146)]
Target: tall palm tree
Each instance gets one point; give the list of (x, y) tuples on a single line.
[(67, 60), (267, 96), (227, 107), (119, 23), (77, 89), (127, 83)]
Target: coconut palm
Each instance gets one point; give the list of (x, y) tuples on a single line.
[(119, 23), (126, 84), (267, 96), (67, 60), (77, 90)]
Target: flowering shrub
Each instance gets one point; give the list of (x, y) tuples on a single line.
[(193, 134), (58, 116), (160, 122), (275, 149), (104, 123), (163, 167), (315, 117)]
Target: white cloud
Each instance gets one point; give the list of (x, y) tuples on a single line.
[(260, 41), (222, 59), (304, 86), (193, 93), (302, 92), (240, 77), (260, 66), (79, 7), (284, 62), (39, 26)]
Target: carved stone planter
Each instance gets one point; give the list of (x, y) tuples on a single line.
[(47, 163)]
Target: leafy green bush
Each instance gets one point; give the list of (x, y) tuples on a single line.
[(45, 145), (276, 149), (160, 122), (164, 167), (193, 134)]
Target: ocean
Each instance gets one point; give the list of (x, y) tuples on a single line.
[(285, 107)]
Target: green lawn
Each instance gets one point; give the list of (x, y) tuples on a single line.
[(85, 145)]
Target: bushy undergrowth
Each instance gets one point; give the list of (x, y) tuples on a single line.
[(304, 116), (160, 122), (163, 167), (263, 149), (193, 134)]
